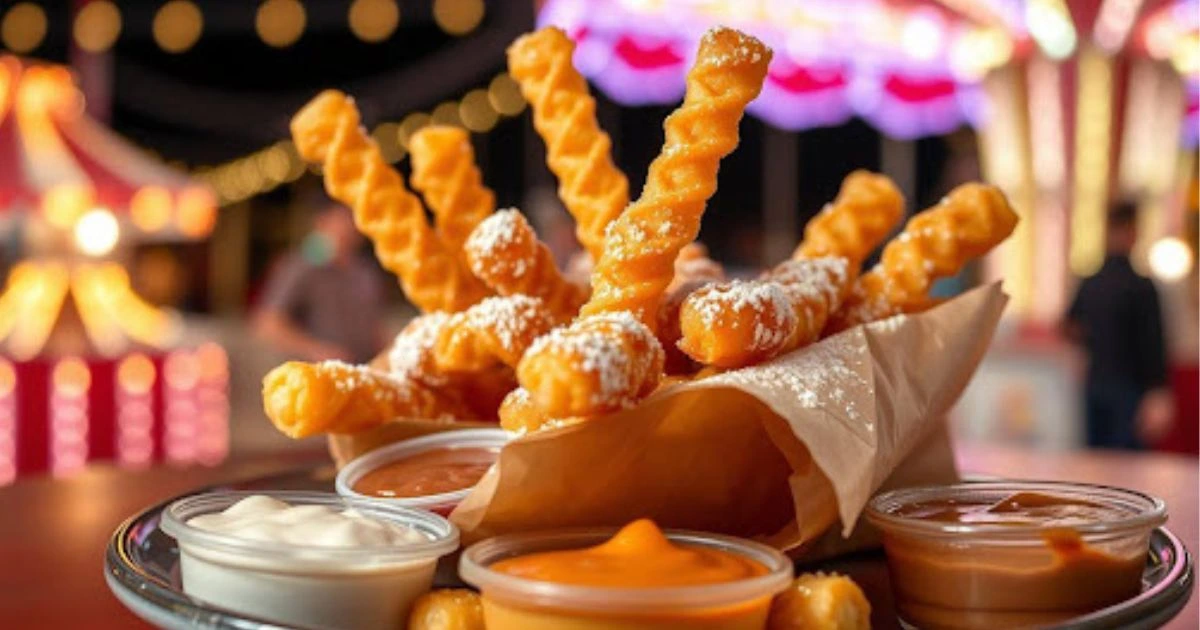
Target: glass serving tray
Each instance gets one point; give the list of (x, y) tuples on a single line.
[(141, 567)]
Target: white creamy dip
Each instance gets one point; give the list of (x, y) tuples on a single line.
[(311, 560), (260, 517)]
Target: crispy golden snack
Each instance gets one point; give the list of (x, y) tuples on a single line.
[(732, 325), (496, 331), (642, 243), (935, 243), (519, 414), (303, 399), (447, 609), (820, 602), (866, 209), (326, 131), (598, 364), (444, 171), (578, 152), (693, 269), (506, 254)]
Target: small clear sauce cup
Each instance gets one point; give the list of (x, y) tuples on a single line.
[(514, 603), (442, 503), (311, 586), (963, 575)]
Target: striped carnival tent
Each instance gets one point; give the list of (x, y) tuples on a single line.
[(58, 162), (89, 370)]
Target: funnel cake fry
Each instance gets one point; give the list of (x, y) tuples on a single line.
[(867, 208), (326, 131), (497, 331), (444, 171), (598, 364), (936, 243), (578, 152), (304, 399), (641, 245), (506, 254), (693, 270), (736, 324)]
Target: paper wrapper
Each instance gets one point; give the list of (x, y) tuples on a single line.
[(779, 451)]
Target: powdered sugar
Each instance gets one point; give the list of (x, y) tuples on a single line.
[(764, 304), (409, 355), (596, 346), (512, 320), (809, 279), (505, 230)]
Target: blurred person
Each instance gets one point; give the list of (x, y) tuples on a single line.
[(324, 300), (1116, 317)]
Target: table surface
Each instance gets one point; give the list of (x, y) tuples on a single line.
[(53, 532)]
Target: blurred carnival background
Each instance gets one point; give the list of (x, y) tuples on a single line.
[(158, 230)]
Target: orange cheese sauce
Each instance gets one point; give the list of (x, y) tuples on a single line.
[(638, 556)]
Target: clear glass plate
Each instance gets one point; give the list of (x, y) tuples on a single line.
[(142, 569)]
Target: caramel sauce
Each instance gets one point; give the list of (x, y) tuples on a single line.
[(432, 472), (955, 582)]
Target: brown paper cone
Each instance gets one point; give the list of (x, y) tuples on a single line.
[(779, 451)]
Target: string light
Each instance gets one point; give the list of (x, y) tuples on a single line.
[(23, 28), (280, 22), (264, 170), (196, 214), (178, 25), (387, 138), (374, 20), (505, 95), (97, 26), (446, 114), (411, 124), (477, 113), (458, 17)]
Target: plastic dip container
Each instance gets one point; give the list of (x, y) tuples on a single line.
[(310, 585), (433, 472), (519, 603), (1012, 553)]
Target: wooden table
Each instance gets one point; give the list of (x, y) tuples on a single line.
[(53, 532)]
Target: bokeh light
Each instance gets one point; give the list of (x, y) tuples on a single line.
[(374, 20), (97, 26), (505, 95), (458, 17), (280, 23), (476, 111), (23, 28), (136, 374), (178, 25), (97, 232), (71, 378), (150, 208), (446, 114), (1170, 259)]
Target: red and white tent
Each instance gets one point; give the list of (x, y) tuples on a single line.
[(56, 160)]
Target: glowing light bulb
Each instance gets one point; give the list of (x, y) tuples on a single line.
[(922, 37), (1170, 259), (97, 232)]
